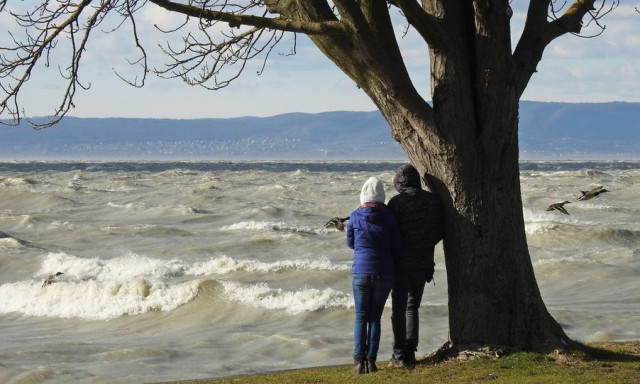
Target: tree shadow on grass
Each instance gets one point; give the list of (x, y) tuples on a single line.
[(611, 351)]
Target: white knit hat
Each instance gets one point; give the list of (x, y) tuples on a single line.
[(372, 190)]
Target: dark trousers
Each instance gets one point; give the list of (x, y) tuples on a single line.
[(406, 296)]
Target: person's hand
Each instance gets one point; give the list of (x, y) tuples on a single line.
[(337, 223), (428, 274)]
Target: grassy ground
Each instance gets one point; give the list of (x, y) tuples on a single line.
[(603, 363)]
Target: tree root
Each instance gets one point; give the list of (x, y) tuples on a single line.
[(464, 353), (450, 352)]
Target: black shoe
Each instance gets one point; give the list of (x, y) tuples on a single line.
[(410, 358), (359, 365), (371, 365), (397, 363)]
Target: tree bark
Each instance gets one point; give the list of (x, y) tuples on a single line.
[(494, 299)]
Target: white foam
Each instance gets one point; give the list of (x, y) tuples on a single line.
[(224, 264), (92, 299), (596, 206), (538, 228), (540, 222), (9, 242), (564, 259), (123, 268), (601, 336), (272, 226), (304, 300), (102, 289), (99, 289), (128, 206), (13, 181)]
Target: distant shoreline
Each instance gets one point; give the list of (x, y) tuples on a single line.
[(547, 131)]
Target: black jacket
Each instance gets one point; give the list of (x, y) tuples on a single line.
[(421, 218)]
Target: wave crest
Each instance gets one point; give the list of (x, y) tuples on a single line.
[(304, 300), (94, 300), (274, 227), (225, 264)]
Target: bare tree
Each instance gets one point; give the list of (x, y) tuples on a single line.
[(466, 139)]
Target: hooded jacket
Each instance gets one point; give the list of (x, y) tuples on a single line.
[(373, 232), (420, 216)]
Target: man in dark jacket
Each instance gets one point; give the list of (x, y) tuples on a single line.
[(421, 219)]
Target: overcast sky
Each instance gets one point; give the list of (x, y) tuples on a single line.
[(574, 69)]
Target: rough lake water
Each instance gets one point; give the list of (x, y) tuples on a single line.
[(187, 270)]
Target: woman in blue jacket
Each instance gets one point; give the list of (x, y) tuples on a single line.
[(374, 235)]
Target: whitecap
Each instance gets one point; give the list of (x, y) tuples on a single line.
[(272, 227), (293, 302), (564, 259), (10, 242), (537, 222), (160, 210), (596, 206), (99, 289), (16, 181), (178, 172), (119, 269), (93, 299), (268, 188), (600, 336), (224, 264), (27, 221), (539, 228)]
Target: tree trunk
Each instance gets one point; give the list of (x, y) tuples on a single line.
[(493, 295), (494, 299)]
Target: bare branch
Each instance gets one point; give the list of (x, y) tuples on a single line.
[(572, 21), (214, 61), (539, 32), (237, 19), (208, 56), (25, 55), (207, 59), (143, 54), (426, 24)]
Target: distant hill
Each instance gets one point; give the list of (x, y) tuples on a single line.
[(547, 131), (579, 130)]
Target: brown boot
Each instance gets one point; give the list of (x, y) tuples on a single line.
[(371, 364), (360, 365)]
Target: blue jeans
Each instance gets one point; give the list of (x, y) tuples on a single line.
[(405, 321), (370, 293)]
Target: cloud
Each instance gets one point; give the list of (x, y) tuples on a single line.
[(589, 80), (573, 69), (154, 14)]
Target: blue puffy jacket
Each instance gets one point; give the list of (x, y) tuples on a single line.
[(374, 235)]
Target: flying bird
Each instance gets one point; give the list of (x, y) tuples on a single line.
[(51, 279), (336, 222), (593, 192), (559, 207)]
